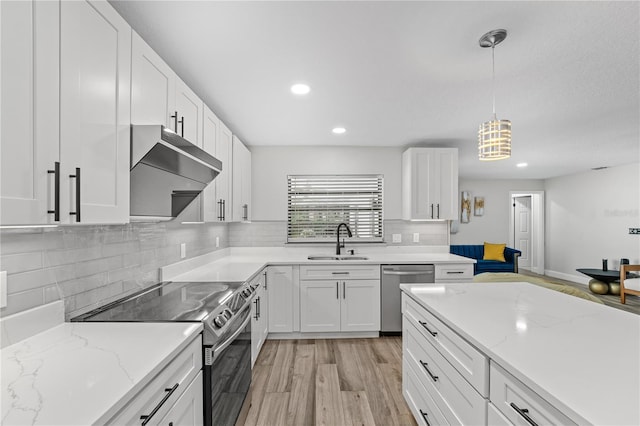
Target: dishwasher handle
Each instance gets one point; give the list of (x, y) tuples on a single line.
[(405, 273)]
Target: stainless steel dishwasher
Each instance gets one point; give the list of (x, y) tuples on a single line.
[(392, 277)]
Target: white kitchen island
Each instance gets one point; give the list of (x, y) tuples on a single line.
[(516, 346)]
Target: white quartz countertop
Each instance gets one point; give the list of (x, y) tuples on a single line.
[(83, 373), (582, 357), (240, 264)]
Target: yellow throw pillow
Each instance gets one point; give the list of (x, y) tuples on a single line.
[(494, 252)]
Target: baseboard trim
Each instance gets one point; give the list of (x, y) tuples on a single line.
[(578, 279), (336, 335)]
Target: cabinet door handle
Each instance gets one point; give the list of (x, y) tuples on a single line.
[(219, 209), (181, 126), (77, 177), (426, 367), (146, 418), (424, 324), (337, 290), (265, 279), (455, 272), (56, 191), (431, 211), (344, 290), (424, 416), (245, 209), (175, 122), (438, 210), (524, 413), (340, 273)]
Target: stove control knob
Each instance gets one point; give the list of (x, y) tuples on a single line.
[(227, 313), (246, 293), (220, 321)]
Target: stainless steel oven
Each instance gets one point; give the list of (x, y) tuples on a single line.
[(224, 309)]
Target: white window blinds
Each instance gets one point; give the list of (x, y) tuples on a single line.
[(318, 203)]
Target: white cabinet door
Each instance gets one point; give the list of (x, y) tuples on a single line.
[(223, 181), (153, 90), (95, 69), (280, 285), (190, 110), (360, 307), (188, 409), (259, 322), (241, 181), (210, 132), (429, 183), (319, 306), (29, 129)]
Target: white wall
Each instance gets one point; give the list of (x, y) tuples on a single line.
[(493, 226), (271, 165), (587, 220)]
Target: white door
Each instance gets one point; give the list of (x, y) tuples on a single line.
[(360, 310), (29, 129), (280, 285), (95, 69), (522, 229), (319, 306), (153, 89), (190, 113)]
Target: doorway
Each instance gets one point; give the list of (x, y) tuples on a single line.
[(526, 228)]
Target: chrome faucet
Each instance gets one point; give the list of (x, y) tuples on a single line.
[(338, 245)]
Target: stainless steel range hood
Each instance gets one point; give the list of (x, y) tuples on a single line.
[(167, 172)]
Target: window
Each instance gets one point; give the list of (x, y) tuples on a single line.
[(318, 203)]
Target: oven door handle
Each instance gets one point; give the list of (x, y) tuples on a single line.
[(223, 346)]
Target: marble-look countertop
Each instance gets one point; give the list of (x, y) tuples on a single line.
[(241, 264), (582, 357), (83, 373)]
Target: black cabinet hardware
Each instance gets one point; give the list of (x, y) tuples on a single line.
[(181, 121), (265, 279), (344, 290), (524, 413), (77, 177), (245, 209), (424, 324), (426, 367), (431, 211), (175, 122), (438, 210), (424, 416), (56, 191), (146, 418)]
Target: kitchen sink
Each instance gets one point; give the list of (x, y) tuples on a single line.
[(349, 257)]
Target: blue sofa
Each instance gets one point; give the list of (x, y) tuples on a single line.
[(477, 252)]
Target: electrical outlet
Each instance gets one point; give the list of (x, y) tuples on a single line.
[(634, 230), (217, 242), (3, 289), (416, 237), (396, 238), (183, 250)]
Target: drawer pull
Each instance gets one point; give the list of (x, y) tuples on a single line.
[(524, 413), (424, 324), (340, 273), (146, 418), (424, 416), (455, 272), (426, 367)]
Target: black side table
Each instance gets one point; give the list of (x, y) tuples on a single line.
[(602, 282)]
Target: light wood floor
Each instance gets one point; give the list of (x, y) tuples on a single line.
[(329, 382)]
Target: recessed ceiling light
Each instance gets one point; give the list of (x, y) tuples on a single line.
[(339, 130), (300, 89), (521, 165)]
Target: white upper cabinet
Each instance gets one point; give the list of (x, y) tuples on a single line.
[(95, 69), (29, 130), (429, 183), (223, 181), (241, 181), (66, 100), (189, 113), (153, 86), (217, 141)]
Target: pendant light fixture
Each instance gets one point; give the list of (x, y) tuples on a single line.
[(494, 136)]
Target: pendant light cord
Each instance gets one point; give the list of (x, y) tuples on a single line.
[(493, 75)]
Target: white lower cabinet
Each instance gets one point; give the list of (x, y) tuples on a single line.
[(331, 300), (454, 272), (495, 417), (163, 396), (280, 285), (259, 315)]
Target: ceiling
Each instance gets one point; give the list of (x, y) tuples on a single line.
[(412, 74)]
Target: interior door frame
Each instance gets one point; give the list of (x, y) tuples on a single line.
[(537, 227)]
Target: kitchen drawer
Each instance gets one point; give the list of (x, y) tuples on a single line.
[(179, 374), (467, 360), (495, 417), (340, 272), (458, 401), (420, 402), (509, 395), (454, 272)]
